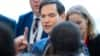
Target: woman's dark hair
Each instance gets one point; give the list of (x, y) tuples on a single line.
[(65, 39), (6, 40)]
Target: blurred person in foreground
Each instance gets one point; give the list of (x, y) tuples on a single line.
[(11, 23), (6, 40), (65, 40)]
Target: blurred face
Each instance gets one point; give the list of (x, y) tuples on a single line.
[(49, 17), (35, 5), (79, 20)]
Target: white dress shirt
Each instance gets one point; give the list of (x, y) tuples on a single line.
[(38, 31)]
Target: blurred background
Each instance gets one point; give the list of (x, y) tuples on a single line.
[(14, 8)]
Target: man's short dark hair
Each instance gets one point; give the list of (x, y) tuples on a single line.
[(66, 37), (59, 5), (6, 40)]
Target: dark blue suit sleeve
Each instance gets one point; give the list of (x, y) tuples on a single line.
[(25, 20), (20, 26), (13, 26), (38, 47)]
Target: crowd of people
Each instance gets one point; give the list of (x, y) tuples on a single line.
[(48, 31)]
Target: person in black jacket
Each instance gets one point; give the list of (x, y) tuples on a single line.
[(6, 40), (8, 21), (65, 40), (95, 46)]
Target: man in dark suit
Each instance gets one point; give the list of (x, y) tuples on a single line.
[(24, 21), (27, 19), (26, 24), (8, 21)]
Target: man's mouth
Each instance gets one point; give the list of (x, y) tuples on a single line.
[(47, 26), (37, 6)]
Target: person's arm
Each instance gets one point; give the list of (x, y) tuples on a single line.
[(21, 41)]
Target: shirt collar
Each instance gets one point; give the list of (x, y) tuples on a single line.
[(34, 16)]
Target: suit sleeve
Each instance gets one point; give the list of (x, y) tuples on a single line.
[(14, 26), (20, 26), (38, 47)]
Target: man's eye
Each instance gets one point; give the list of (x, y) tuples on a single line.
[(51, 15), (78, 22), (42, 16)]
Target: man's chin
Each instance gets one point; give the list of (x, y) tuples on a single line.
[(47, 31)]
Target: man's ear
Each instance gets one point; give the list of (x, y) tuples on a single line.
[(63, 16)]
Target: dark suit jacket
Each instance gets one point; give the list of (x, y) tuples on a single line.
[(94, 46), (97, 45), (9, 22), (25, 21)]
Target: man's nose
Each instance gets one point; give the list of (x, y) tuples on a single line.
[(36, 1), (46, 19)]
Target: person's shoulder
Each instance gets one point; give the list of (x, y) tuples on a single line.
[(25, 17), (26, 14), (97, 38), (2, 17), (42, 42), (7, 19), (39, 45)]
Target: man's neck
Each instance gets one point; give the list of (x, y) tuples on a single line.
[(36, 14)]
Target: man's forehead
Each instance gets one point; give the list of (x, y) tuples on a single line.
[(39, 0), (49, 7)]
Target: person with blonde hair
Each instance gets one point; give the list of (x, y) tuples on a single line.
[(80, 16)]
